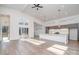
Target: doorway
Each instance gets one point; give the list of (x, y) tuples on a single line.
[(4, 28), (5, 33)]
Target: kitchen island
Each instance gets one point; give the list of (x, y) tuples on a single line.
[(55, 37)]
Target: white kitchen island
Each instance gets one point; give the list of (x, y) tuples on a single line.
[(55, 37)]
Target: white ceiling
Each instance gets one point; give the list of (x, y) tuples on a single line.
[(48, 12)]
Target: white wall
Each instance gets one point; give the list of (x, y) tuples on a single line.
[(15, 18), (38, 29), (4, 20)]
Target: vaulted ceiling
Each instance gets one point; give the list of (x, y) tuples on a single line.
[(48, 12)]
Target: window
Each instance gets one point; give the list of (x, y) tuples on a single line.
[(23, 30), (19, 30)]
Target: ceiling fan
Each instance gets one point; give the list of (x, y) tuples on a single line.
[(37, 6)]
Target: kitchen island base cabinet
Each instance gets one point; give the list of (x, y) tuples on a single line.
[(55, 37)]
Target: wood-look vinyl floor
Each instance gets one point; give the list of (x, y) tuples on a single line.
[(19, 47)]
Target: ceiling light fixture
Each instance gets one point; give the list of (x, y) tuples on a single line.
[(37, 6)]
